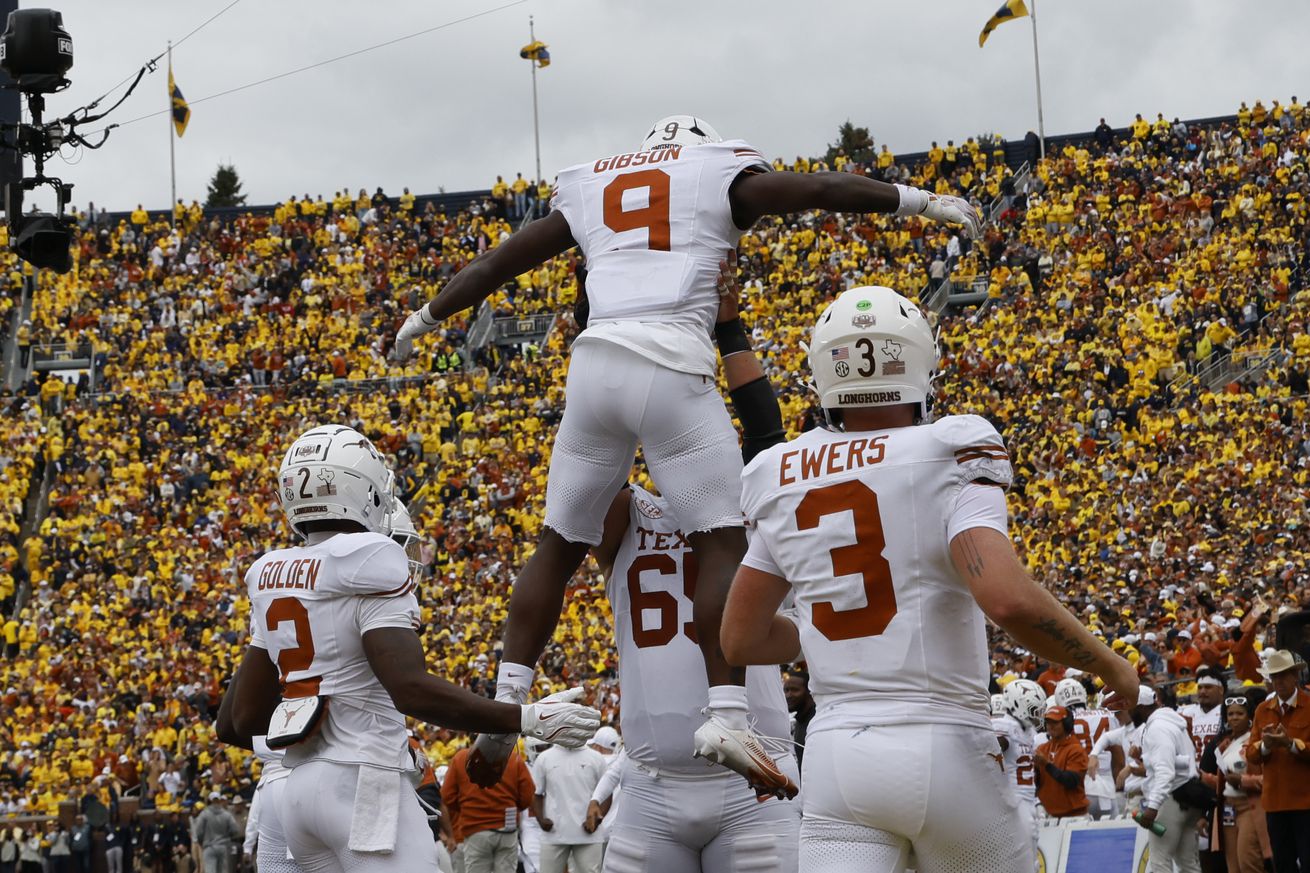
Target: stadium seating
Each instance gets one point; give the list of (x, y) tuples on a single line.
[(1114, 279)]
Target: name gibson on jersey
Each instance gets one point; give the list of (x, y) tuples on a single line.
[(637, 159), (301, 574)]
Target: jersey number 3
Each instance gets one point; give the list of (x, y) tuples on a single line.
[(653, 217), (863, 557)]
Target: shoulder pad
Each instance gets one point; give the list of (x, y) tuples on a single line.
[(977, 448), (370, 563)]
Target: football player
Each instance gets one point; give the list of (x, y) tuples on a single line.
[(653, 224), (1089, 725), (892, 534), (1024, 703), (335, 663)]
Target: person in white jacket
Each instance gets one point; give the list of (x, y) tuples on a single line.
[(1170, 760)]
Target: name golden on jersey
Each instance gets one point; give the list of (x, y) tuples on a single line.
[(301, 574)]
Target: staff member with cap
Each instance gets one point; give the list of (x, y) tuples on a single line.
[(1280, 734), (1061, 767), (217, 832), (1170, 761)]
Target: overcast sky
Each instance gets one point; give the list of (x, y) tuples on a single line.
[(453, 108)]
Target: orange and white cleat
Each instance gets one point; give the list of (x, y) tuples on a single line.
[(741, 750)]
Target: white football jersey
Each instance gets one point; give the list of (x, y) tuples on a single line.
[(310, 608), (1089, 725), (654, 226), (1017, 756), (1203, 726), (272, 768), (860, 525), (661, 669)]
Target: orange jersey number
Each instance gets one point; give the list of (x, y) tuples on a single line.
[(654, 216), (864, 557), (1086, 738), (290, 609), (1023, 770), (663, 602)]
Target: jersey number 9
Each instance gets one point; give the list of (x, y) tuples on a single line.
[(653, 217)]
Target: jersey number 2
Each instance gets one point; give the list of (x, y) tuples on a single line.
[(654, 216), (864, 557), (289, 609)]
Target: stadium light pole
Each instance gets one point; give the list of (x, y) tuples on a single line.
[(536, 129), (1037, 69)]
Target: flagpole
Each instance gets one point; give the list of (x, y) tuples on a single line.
[(172, 135), (1037, 69), (536, 130)]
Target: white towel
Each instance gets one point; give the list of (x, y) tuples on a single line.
[(376, 817)]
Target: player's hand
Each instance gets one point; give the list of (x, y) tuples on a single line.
[(449, 842), (729, 289), (546, 824), (1146, 817), (954, 210), (1041, 759), (558, 719), (1122, 679), (486, 762), (418, 323), (594, 815)]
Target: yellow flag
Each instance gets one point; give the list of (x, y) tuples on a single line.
[(181, 112), (536, 51), (1011, 9)]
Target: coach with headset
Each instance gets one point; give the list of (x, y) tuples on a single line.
[(1061, 767)]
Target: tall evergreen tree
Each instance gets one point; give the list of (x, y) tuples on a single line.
[(854, 141), (225, 188)]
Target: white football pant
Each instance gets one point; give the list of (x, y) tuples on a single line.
[(873, 795), (271, 855), (318, 804), (702, 824), (616, 399)]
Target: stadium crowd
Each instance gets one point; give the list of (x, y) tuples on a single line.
[(1119, 268)]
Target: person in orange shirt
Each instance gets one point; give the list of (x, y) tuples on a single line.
[(484, 827), (1280, 744), (1185, 657), (1061, 766), (1050, 677)]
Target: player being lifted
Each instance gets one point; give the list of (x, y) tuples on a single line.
[(653, 225), (892, 536), (335, 664)]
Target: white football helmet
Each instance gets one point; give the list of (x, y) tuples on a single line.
[(1026, 701), (404, 532), (333, 473), (998, 705), (1069, 692), (679, 130), (872, 347)]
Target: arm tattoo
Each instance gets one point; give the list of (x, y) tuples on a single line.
[(973, 561), (1079, 655)]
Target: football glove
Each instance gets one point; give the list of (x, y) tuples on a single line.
[(557, 719), (418, 323), (954, 210)]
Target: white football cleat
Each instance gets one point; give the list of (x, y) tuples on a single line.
[(740, 750)]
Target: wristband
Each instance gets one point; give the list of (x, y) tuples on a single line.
[(513, 682), (731, 337), (913, 200)]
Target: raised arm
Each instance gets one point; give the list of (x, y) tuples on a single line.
[(535, 244), (754, 195)]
